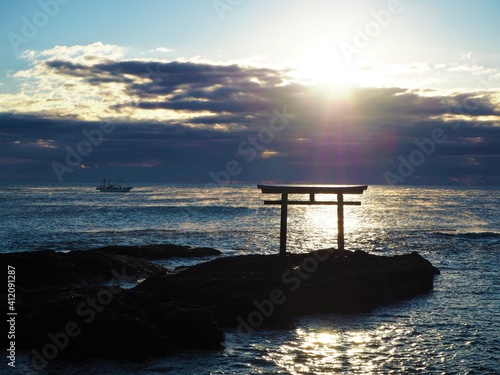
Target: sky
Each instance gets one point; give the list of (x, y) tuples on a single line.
[(398, 92)]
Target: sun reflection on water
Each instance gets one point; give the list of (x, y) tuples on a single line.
[(314, 227), (353, 350)]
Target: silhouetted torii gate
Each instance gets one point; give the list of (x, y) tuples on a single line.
[(284, 190)]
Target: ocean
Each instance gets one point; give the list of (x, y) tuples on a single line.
[(453, 330)]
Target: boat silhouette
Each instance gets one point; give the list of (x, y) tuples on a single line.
[(113, 187)]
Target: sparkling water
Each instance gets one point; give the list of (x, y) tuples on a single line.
[(453, 330)]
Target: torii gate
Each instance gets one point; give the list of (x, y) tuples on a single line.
[(284, 190)]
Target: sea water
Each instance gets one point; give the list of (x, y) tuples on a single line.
[(453, 330)]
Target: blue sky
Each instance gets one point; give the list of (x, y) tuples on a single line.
[(276, 32), (189, 81)]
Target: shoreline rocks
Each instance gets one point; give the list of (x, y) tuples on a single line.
[(61, 307), (95, 266), (233, 288), (156, 252)]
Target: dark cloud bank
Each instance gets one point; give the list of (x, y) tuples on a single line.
[(251, 125)]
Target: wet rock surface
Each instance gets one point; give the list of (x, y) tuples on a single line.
[(90, 267), (60, 305), (154, 252), (283, 288)]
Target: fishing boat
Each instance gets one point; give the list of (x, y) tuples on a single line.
[(113, 187)]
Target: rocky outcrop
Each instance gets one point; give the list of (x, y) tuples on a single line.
[(278, 289), (61, 311), (70, 304), (110, 322), (54, 269), (152, 252), (91, 267)]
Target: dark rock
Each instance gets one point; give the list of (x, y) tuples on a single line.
[(57, 289), (49, 268), (90, 267), (321, 281), (113, 323), (169, 312), (152, 252)]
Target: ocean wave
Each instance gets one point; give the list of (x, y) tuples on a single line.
[(468, 234)]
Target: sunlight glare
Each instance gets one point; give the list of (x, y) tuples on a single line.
[(324, 65)]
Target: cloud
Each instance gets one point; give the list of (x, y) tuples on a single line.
[(353, 144), (183, 120), (162, 50), (96, 82), (83, 54), (462, 76)]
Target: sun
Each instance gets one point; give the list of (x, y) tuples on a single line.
[(324, 64)]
